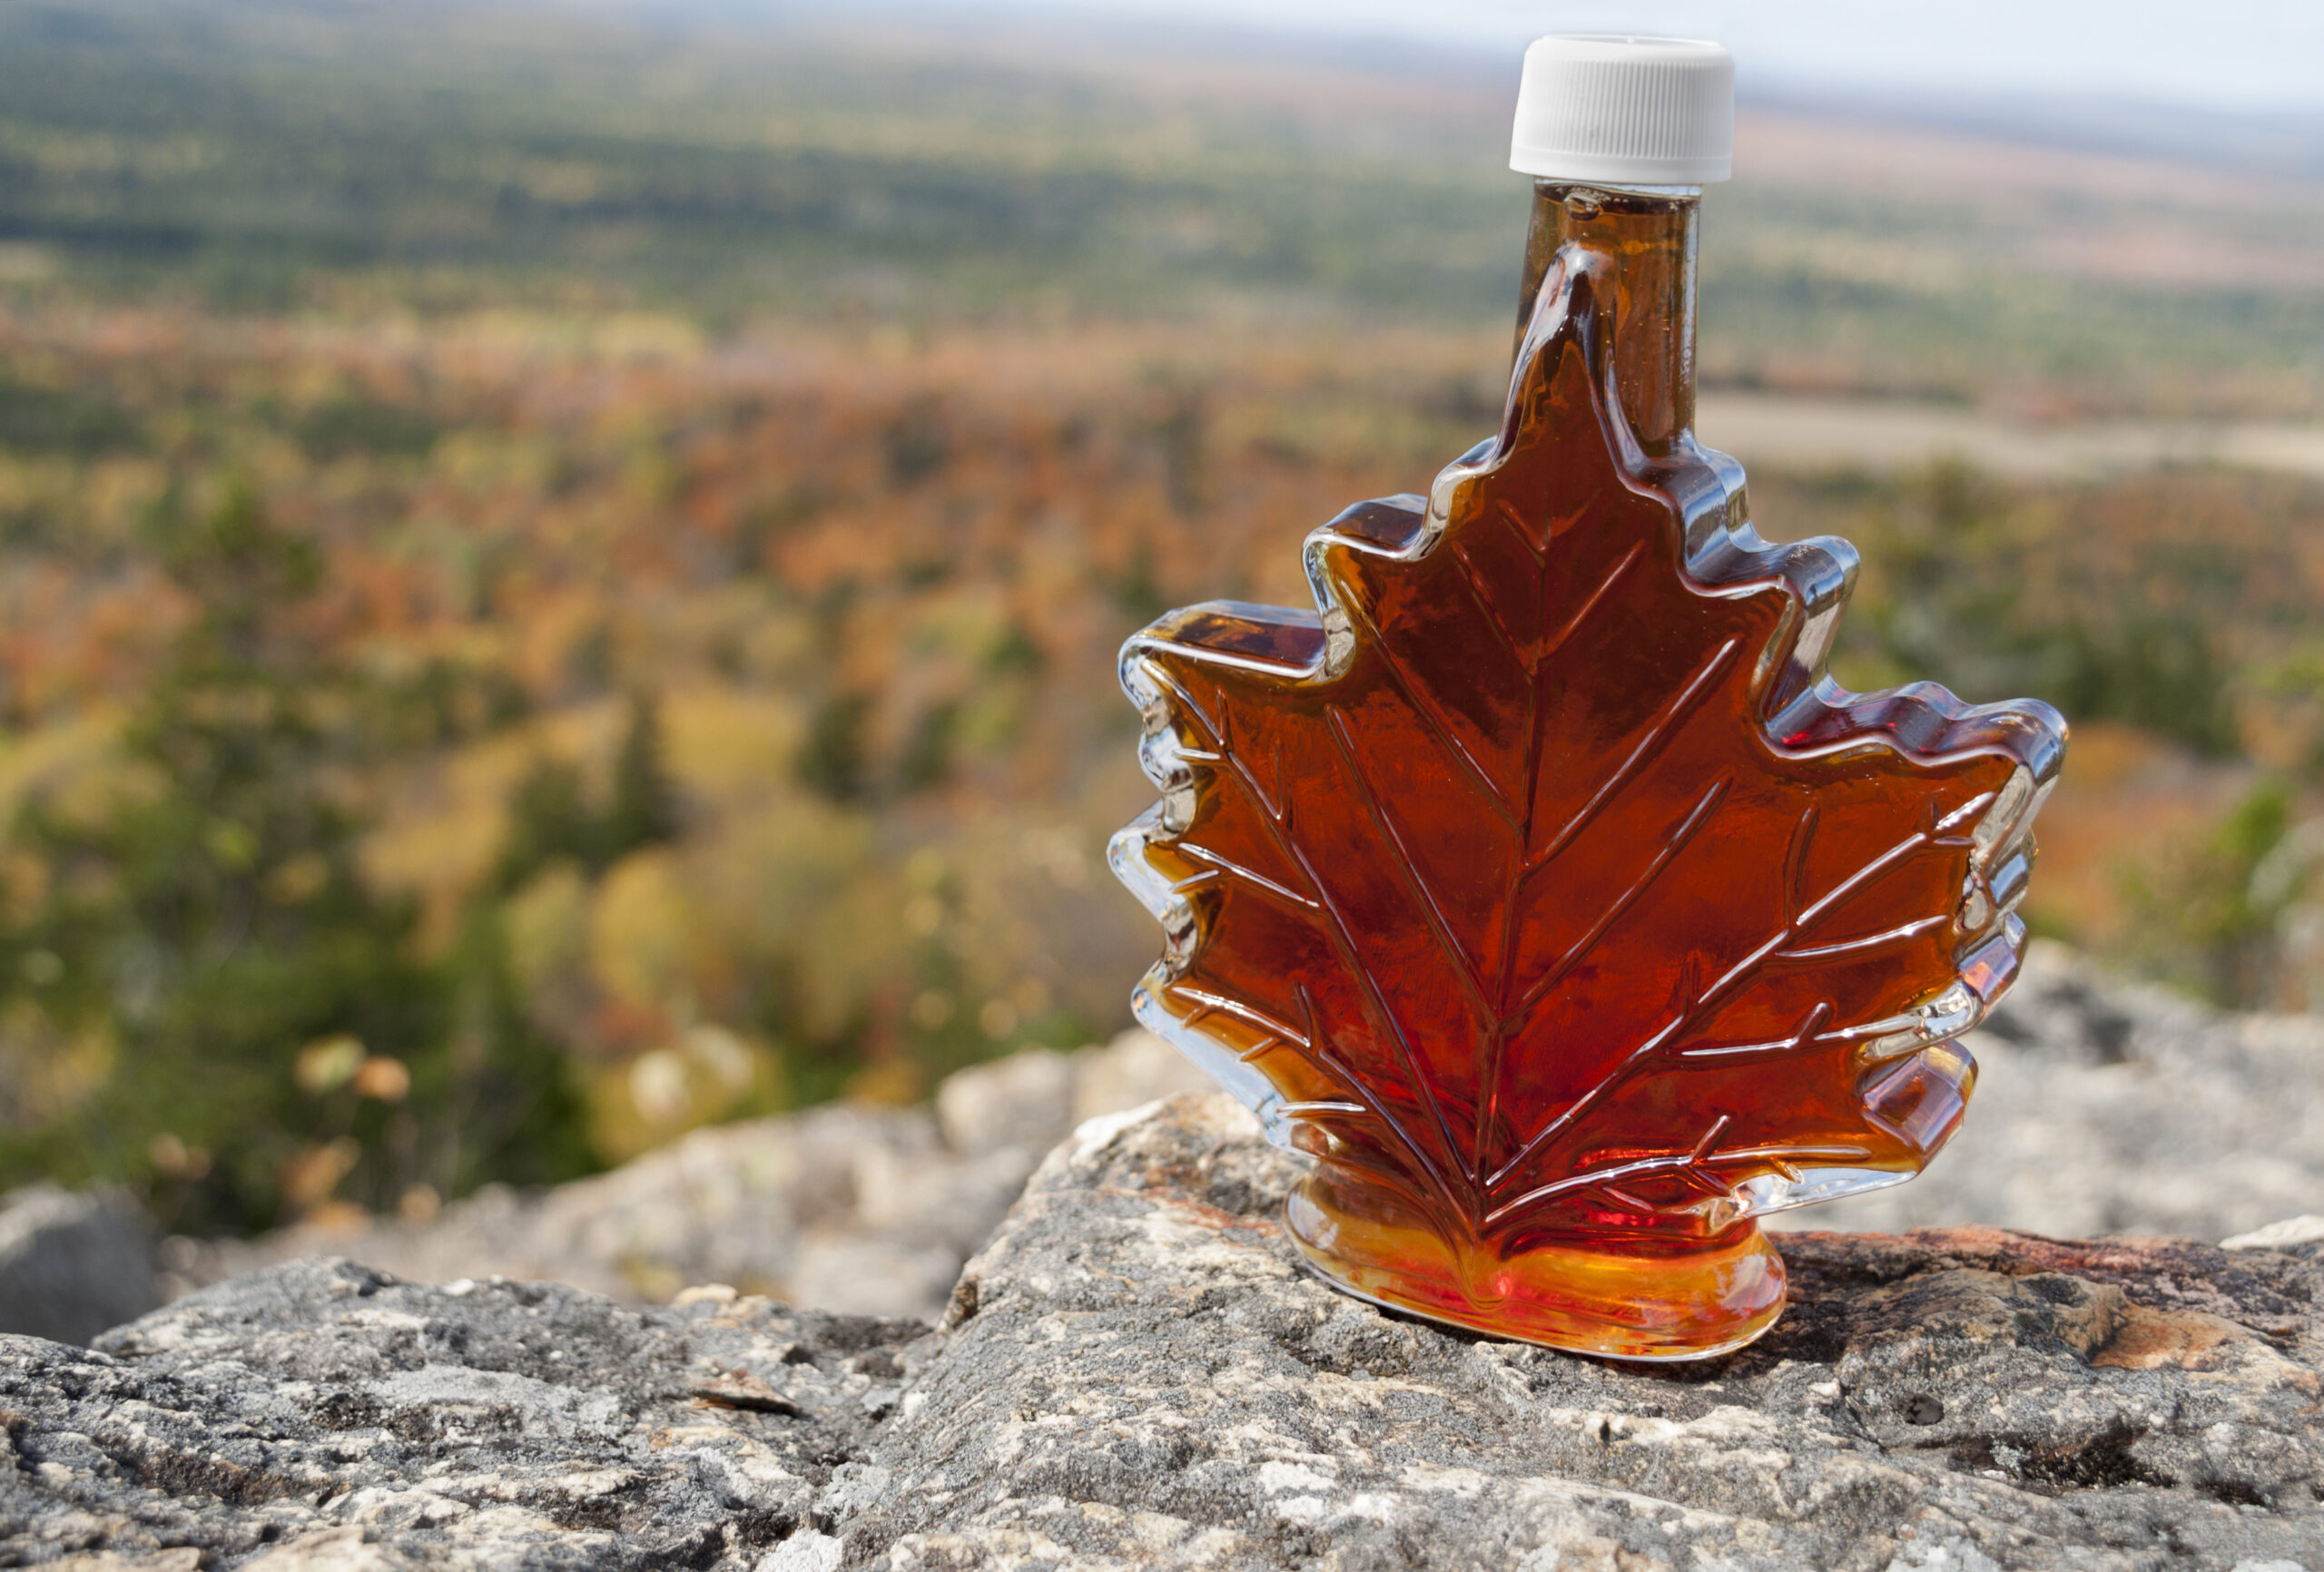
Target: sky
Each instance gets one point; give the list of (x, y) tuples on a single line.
[(2243, 56)]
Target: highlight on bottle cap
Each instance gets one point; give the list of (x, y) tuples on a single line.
[(1625, 111)]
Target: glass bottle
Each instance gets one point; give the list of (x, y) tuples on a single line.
[(1539, 883)]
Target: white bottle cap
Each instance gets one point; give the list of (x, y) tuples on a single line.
[(1625, 111)]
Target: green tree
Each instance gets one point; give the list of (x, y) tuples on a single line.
[(642, 809), (833, 760), (213, 922), (2200, 924), (550, 818)]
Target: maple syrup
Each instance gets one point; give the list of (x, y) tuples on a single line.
[(1539, 883), (1653, 236)]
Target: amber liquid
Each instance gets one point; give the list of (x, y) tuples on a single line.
[(1652, 240), (1543, 887)]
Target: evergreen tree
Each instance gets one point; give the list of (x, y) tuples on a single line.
[(642, 809), (550, 818)]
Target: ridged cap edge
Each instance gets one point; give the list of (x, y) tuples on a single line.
[(1626, 110)]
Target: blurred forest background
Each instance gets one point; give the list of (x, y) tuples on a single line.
[(559, 575)]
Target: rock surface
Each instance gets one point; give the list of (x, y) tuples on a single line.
[(858, 1210), (320, 1416), (2107, 1107), (1134, 1372), (72, 1264), (1147, 1379)]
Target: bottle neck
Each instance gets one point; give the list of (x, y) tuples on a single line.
[(1650, 237)]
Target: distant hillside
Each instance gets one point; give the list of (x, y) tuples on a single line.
[(2283, 142), (265, 155)]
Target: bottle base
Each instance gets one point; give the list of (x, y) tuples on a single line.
[(1661, 1306)]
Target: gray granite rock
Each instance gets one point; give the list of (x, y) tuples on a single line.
[(1025, 1100), (860, 1210), (1134, 1373), (71, 1264), (2104, 1106), (321, 1415)]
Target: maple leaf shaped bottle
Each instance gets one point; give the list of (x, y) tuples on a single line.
[(1540, 884)]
